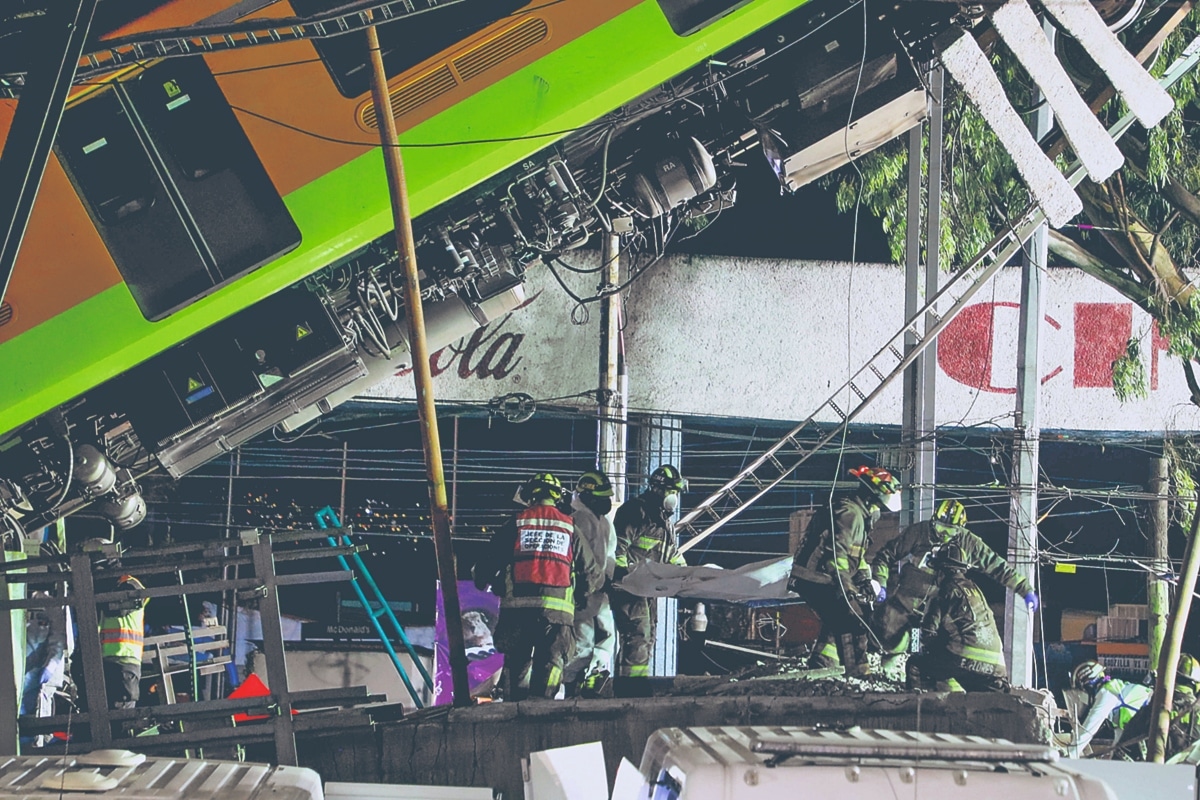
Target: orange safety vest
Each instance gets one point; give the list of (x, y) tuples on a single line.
[(542, 550)]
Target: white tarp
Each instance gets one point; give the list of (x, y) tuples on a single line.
[(762, 580)]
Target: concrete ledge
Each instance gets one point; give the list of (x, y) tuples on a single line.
[(482, 746)]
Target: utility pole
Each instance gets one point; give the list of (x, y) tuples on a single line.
[(612, 402), (1023, 510), (919, 420), (1158, 596), (422, 377)]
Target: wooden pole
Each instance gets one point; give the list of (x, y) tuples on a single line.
[(1158, 596), (1164, 688), (426, 410)]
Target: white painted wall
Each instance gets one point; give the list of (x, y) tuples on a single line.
[(768, 339)]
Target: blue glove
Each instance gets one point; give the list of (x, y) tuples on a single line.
[(880, 591), (1031, 602)]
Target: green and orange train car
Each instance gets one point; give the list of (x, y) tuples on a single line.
[(208, 255)]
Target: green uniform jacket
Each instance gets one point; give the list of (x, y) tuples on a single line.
[(557, 604), (913, 548), (960, 622), (836, 547), (644, 534)]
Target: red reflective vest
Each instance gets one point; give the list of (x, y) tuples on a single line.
[(542, 550)]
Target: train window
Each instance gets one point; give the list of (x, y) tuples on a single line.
[(405, 42), (688, 16), (173, 185), (106, 158)]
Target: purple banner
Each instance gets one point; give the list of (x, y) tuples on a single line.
[(480, 611)]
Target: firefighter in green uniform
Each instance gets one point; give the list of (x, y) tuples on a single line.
[(645, 532), (536, 560), (1112, 700), (1185, 719), (589, 672), (829, 569), (122, 628), (911, 591), (961, 648), (1185, 706)]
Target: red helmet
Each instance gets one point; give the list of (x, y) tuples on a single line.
[(879, 481)]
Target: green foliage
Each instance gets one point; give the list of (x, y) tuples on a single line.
[(1184, 461), (1180, 324), (1129, 375), (981, 192)]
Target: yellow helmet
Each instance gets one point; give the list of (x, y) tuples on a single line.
[(542, 486), (1189, 668), (951, 512)]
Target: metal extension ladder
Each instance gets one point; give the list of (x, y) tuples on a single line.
[(328, 518), (786, 455)]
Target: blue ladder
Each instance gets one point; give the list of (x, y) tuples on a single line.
[(328, 518)]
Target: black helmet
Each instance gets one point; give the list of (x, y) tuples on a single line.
[(542, 486), (594, 483), (667, 478)]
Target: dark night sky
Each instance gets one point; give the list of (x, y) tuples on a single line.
[(804, 225)]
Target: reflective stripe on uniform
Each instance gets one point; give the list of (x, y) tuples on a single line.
[(634, 671), (121, 638), (977, 653)]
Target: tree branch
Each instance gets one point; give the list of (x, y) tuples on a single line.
[(1079, 257)]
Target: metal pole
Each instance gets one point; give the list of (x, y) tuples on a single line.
[(426, 410), (920, 378), (11, 685), (611, 408), (1158, 596), (35, 123), (342, 500), (273, 647), (927, 364), (1023, 509), (87, 647), (454, 475)]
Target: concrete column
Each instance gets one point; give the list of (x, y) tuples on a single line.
[(1158, 595), (660, 442), (613, 399), (1023, 509), (920, 283)]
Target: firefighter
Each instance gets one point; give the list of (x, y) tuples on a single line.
[(829, 569), (910, 592), (645, 532), (122, 630), (1185, 719), (535, 563), (1110, 699), (961, 648), (590, 671), (1185, 706)]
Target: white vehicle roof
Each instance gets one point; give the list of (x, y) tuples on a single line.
[(730, 763), (133, 776)]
